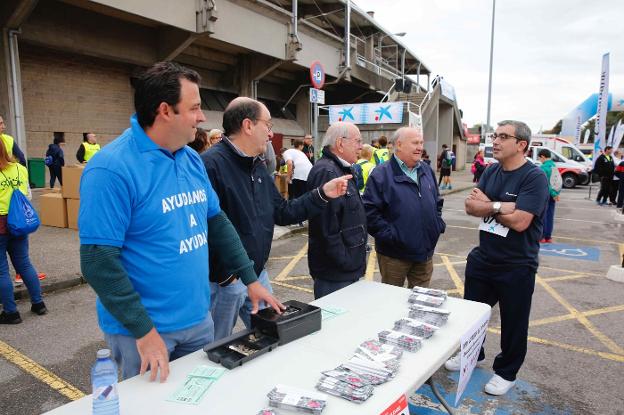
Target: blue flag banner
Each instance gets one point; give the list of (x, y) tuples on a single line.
[(371, 113)]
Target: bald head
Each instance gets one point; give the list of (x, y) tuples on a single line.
[(247, 123), (409, 145), (237, 111)]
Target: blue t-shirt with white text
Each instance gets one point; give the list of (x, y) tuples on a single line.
[(154, 205)]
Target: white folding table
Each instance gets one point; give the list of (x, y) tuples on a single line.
[(371, 307)]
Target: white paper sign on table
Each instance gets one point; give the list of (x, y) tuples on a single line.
[(471, 343)]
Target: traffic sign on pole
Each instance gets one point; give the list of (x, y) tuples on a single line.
[(317, 75), (317, 96)]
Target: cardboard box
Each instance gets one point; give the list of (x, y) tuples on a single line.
[(73, 206), (71, 181), (48, 190), (53, 210)]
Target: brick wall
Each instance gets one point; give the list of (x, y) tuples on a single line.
[(73, 94)]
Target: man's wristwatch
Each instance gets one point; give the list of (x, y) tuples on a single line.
[(496, 207)]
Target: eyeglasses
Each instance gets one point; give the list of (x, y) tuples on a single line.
[(356, 140), (268, 123), (505, 136)]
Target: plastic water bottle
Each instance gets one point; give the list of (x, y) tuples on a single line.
[(104, 383)]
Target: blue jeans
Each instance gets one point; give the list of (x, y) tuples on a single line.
[(179, 343), (229, 302), (549, 219), (17, 248)]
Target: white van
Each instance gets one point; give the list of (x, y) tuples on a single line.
[(563, 147)]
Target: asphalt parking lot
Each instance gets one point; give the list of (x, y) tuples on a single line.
[(576, 345)]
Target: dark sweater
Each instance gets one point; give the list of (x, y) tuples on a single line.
[(337, 242), (251, 201)]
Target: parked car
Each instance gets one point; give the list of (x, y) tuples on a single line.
[(563, 147)]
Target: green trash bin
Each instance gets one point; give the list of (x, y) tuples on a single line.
[(36, 172)]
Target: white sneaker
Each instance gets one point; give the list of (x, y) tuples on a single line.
[(498, 386), (453, 364)]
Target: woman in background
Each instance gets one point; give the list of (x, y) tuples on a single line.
[(200, 144), (14, 177), (56, 159)]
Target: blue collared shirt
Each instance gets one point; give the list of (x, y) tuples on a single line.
[(411, 173), (154, 206)]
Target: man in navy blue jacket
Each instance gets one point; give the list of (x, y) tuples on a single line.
[(337, 239), (251, 201), (404, 212)]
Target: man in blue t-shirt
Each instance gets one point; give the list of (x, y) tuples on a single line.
[(148, 215), (510, 200)]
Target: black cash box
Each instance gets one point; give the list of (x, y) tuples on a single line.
[(269, 330), (240, 347), (298, 320)]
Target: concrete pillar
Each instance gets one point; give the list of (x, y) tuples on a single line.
[(304, 111), (445, 129), (6, 101), (11, 100), (244, 76), (430, 130)]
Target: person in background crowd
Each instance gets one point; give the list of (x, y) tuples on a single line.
[(445, 162), (57, 159), (478, 166), (281, 163), (214, 136), (200, 143), (382, 154), (366, 165), (337, 237), (605, 168), (14, 177), (308, 147), (619, 172), (510, 199), (147, 260), (615, 185), (88, 148), (547, 167), (404, 213), (299, 166), (251, 201), (375, 143), (425, 157), (10, 144)]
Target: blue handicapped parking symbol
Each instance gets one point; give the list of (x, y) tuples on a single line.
[(586, 253)]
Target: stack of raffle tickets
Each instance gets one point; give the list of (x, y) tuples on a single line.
[(415, 327), (406, 341), (429, 291), (345, 384), (424, 299), (436, 316), (298, 400)]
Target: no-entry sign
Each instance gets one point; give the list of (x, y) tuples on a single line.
[(317, 75)]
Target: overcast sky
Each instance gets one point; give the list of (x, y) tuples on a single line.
[(547, 54)]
